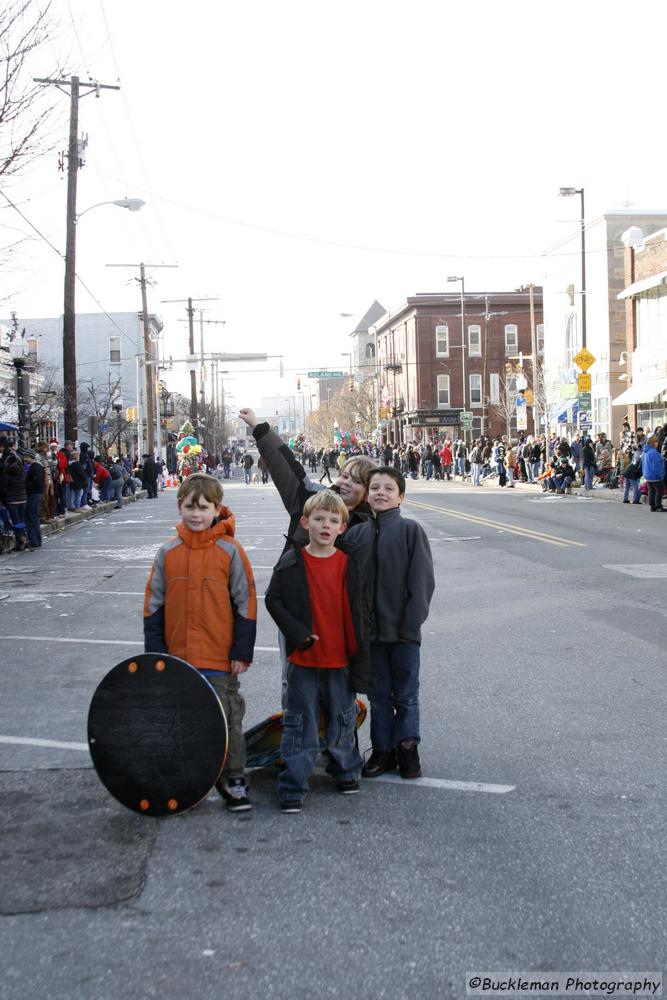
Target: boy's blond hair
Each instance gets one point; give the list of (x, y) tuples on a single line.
[(198, 485), (326, 500)]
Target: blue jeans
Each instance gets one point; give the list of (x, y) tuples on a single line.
[(74, 498), (460, 466), (310, 689), (394, 693), (428, 470), (32, 519), (589, 472), (635, 489), (17, 516), (534, 471), (116, 490), (476, 469)]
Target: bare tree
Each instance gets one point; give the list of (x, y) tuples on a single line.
[(24, 105), (505, 408)]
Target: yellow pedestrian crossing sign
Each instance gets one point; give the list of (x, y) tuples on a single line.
[(584, 359)]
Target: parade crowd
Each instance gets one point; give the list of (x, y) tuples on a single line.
[(41, 486)]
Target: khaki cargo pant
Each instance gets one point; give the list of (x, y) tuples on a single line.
[(228, 689)]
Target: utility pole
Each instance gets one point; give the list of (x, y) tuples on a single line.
[(150, 362), (533, 355), (74, 162), (191, 352)]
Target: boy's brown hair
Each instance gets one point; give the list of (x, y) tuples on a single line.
[(198, 485), (326, 500)]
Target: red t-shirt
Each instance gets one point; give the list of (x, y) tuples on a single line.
[(330, 608)]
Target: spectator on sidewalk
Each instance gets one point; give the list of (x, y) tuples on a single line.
[(35, 480), (632, 472), (77, 481), (13, 496), (102, 479), (64, 477), (653, 470), (116, 483), (588, 462)]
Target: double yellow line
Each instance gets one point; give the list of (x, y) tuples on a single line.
[(537, 536)]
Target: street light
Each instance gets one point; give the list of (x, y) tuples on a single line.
[(69, 314), (568, 192), (20, 360), (455, 277), (117, 405)]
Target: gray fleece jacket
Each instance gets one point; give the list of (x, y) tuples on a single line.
[(398, 559)]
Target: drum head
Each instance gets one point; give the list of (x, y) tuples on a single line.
[(157, 734)]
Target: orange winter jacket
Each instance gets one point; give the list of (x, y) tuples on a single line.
[(200, 602)]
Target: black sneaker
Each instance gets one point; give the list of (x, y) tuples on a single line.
[(348, 787), (235, 794), (408, 759), (379, 762), (291, 805)]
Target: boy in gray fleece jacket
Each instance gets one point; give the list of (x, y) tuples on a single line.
[(398, 559)]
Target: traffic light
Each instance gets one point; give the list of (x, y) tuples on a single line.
[(508, 370), (351, 385), (298, 383)]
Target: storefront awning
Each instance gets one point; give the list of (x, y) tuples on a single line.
[(644, 285), (642, 391)]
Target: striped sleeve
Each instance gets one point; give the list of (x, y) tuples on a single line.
[(243, 596), (154, 636)]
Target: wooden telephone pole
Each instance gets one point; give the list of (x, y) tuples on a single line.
[(194, 416), (150, 361), (74, 162)]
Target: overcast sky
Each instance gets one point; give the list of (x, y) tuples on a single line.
[(300, 159)]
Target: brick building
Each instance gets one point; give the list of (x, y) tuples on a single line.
[(645, 354), (427, 377)]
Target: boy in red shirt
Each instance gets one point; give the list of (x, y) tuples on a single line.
[(318, 597)]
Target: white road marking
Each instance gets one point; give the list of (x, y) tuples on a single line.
[(103, 642), (454, 786), (643, 571), (55, 744), (446, 783)]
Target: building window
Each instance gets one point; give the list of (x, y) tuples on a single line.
[(601, 415), (475, 341), (370, 351), (114, 350), (511, 340), (442, 341), (571, 340), (443, 390), (475, 390), (540, 338)]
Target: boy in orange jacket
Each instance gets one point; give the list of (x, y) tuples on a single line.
[(201, 605)]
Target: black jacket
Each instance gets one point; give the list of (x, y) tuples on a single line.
[(34, 479), (288, 602), (78, 475), (12, 480), (290, 479)]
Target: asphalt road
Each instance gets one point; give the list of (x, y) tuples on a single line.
[(534, 845)]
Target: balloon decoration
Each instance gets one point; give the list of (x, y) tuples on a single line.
[(344, 439), (297, 442), (188, 450)]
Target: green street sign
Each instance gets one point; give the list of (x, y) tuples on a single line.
[(585, 401), (466, 416), (326, 374)]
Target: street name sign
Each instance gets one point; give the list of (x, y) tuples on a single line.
[(326, 374)]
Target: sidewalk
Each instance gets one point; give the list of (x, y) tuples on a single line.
[(72, 518), (597, 493)]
